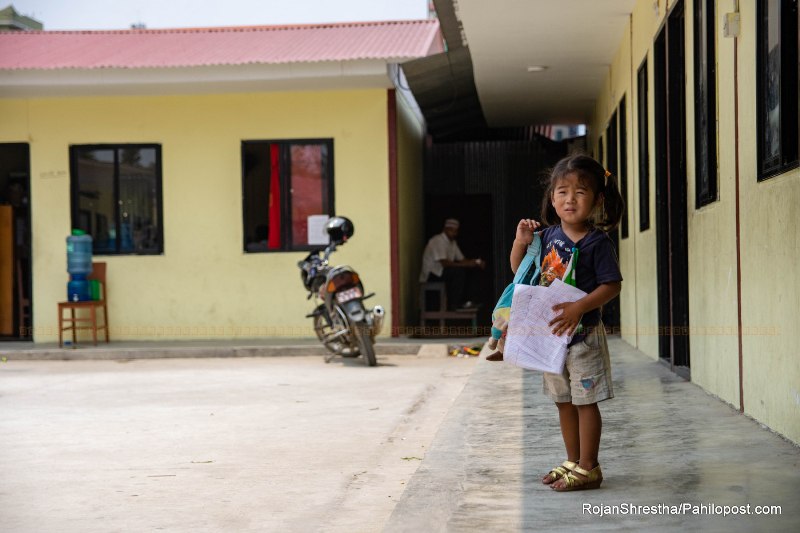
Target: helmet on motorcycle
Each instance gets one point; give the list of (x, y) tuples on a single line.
[(339, 229)]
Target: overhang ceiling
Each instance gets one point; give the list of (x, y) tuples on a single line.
[(576, 40)]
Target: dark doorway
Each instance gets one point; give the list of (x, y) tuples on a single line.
[(615, 160), (474, 211), (489, 186), (15, 242), (671, 193)]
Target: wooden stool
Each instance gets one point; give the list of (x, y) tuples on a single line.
[(441, 314)]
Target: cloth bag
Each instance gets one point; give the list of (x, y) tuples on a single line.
[(527, 274)]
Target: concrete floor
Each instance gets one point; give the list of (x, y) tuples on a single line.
[(240, 444), (292, 444), (665, 441), (230, 347)]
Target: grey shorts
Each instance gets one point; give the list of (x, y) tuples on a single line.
[(586, 378)]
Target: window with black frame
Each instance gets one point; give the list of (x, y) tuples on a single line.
[(611, 145), (705, 105), (778, 144), (617, 157), (622, 118), (287, 193), (644, 147), (116, 197)]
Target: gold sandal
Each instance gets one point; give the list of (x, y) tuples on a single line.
[(572, 482), (558, 472)]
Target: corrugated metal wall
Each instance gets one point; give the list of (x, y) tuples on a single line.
[(508, 174)]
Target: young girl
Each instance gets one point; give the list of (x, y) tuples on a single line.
[(582, 202)]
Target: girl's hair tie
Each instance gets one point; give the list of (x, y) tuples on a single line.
[(605, 179)]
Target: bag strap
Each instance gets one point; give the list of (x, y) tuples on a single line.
[(533, 258)]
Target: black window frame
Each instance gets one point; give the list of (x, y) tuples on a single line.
[(622, 132), (285, 186), (617, 157), (74, 150), (612, 155), (705, 103), (789, 151), (643, 118)]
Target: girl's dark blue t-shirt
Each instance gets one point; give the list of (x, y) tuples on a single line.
[(597, 264)]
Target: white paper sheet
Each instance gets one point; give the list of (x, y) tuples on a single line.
[(316, 229), (530, 342)]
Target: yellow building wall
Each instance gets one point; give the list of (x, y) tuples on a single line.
[(644, 25), (769, 222), (618, 86), (770, 236), (410, 139), (621, 87), (714, 344), (204, 285)]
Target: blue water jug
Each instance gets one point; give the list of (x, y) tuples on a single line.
[(79, 266), (79, 254), (79, 290)]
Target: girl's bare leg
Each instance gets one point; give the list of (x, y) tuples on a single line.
[(590, 425), (570, 429), (569, 420)]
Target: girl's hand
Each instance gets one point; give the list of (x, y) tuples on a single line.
[(568, 320), (525, 230)]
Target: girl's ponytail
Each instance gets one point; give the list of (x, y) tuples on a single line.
[(610, 211)]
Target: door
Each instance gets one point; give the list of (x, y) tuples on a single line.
[(671, 193), (614, 143), (15, 242)]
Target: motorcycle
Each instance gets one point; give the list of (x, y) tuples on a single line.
[(341, 321)]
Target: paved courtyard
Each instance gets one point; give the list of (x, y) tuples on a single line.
[(418, 444), (237, 444)]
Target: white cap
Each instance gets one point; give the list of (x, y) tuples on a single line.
[(451, 223)]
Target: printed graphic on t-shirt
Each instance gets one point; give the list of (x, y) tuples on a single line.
[(552, 267)]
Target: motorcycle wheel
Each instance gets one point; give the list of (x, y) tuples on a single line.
[(365, 342), (332, 337)]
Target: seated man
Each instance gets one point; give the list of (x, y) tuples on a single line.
[(442, 260)]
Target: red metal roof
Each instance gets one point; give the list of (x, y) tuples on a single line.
[(194, 47)]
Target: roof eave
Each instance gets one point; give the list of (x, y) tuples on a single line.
[(196, 80)]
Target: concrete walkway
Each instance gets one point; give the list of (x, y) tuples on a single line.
[(263, 347), (665, 442)]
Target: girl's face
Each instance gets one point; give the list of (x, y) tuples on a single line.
[(574, 200)]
